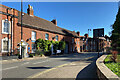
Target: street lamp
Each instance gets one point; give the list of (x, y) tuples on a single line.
[(88, 35), (21, 32), (88, 31)]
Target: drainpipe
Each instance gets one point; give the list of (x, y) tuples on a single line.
[(11, 35), (8, 32)]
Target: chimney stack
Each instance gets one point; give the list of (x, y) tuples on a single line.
[(86, 35), (30, 10), (54, 21), (78, 33)]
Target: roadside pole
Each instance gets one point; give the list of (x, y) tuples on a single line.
[(98, 33), (21, 34), (98, 43)]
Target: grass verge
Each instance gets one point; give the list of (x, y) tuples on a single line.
[(114, 67)]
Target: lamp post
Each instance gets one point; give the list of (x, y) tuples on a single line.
[(21, 33), (88, 35)]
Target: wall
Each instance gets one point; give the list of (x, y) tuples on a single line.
[(103, 72)]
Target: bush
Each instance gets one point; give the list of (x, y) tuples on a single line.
[(30, 55), (45, 45), (48, 53), (39, 52), (114, 55), (62, 45)]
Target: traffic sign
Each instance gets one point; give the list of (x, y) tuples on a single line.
[(98, 32)]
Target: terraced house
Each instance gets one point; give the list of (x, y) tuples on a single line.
[(33, 28)]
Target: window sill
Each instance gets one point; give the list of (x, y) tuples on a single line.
[(4, 51), (5, 33), (33, 39)]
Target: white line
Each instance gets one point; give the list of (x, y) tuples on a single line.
[(40, 62), (26, 63), (10, 68)]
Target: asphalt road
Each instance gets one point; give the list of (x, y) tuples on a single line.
[(28, 68)]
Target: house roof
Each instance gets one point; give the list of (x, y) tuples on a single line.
[(42, 24)]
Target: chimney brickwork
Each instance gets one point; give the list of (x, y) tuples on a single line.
[(30, 10)]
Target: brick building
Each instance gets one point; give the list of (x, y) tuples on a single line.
[(92, 45), (33, 28)]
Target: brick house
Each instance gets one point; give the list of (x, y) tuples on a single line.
[(92, 45), (33, 28)]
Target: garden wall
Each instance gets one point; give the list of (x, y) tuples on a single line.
[(104, 73)]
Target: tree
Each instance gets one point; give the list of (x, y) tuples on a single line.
[(116, 33)]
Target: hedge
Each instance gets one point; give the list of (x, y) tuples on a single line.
[(45, 45)]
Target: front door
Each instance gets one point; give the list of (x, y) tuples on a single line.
[(66, 48), (25, 51), (80, 48)]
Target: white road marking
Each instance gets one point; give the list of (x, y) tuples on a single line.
[(10, 68), (26, 63), (41, 62)]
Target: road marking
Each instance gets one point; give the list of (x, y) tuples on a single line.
[(38, 74), (41, 62), (10, 68), (26, 63)]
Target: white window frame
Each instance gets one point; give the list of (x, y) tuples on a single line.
[(73, 40), (73, 48), (56, 37), (9, 31), (78, 49), (32, 35), (33, 50), (2, 45), (45, 36), (76, 42)]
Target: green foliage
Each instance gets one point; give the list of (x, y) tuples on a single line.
[(62, 45), (116, 33), (46, 45), (39, 52), (56, 46), (43, 44), (30, 55), (114, 67)]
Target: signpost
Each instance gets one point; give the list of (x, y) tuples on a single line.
[(96, 34)]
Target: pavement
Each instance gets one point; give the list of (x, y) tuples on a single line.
[(69, 66)]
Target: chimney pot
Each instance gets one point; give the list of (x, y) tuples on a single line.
[(54, 21), (86, 35), (78, 33), (30, 10)]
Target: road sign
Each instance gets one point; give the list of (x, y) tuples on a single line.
[(98, 32)]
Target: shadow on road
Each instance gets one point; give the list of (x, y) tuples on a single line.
[(89, 72), (39, 67)]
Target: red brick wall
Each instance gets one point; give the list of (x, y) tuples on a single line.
[(41, 34)]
